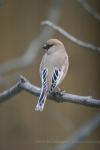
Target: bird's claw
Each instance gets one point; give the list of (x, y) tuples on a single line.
[(58, 95)]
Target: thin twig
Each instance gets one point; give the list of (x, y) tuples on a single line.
[(81, 134), (29, 56), (24, 84), (89, 9), (70, 37)]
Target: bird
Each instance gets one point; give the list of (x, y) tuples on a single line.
[(53, 69)]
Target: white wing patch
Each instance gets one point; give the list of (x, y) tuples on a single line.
[(57, 75), (42, 98), (44, 75)]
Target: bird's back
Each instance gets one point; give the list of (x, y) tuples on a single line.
[(59, 60)]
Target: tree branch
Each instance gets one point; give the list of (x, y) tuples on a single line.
[(89, 9), (24, 84), (71, 37), (29, 56)]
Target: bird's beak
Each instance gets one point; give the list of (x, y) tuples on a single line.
[(45, 46)]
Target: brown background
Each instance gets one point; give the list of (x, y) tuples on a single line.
[(22, 128)]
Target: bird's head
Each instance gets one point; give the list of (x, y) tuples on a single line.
[(52, 45)]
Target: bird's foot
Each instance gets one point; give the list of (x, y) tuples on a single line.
[(58, 93)]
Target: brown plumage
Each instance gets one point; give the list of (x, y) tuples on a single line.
[(53, 69)]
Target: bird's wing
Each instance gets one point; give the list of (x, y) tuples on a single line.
[(43, 94), (56, 77), (44, 74)]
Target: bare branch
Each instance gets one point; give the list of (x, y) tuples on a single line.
[(24, 84), (81, 134), (21, 85), (70, 37), (29, 56), (89, 9)]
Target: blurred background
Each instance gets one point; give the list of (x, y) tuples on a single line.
[(21, 36)]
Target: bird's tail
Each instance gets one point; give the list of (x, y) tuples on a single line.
[(41, 101)]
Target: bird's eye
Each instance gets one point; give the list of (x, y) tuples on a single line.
[(47, 46)]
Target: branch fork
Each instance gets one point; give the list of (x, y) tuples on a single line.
[(24, 85)]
